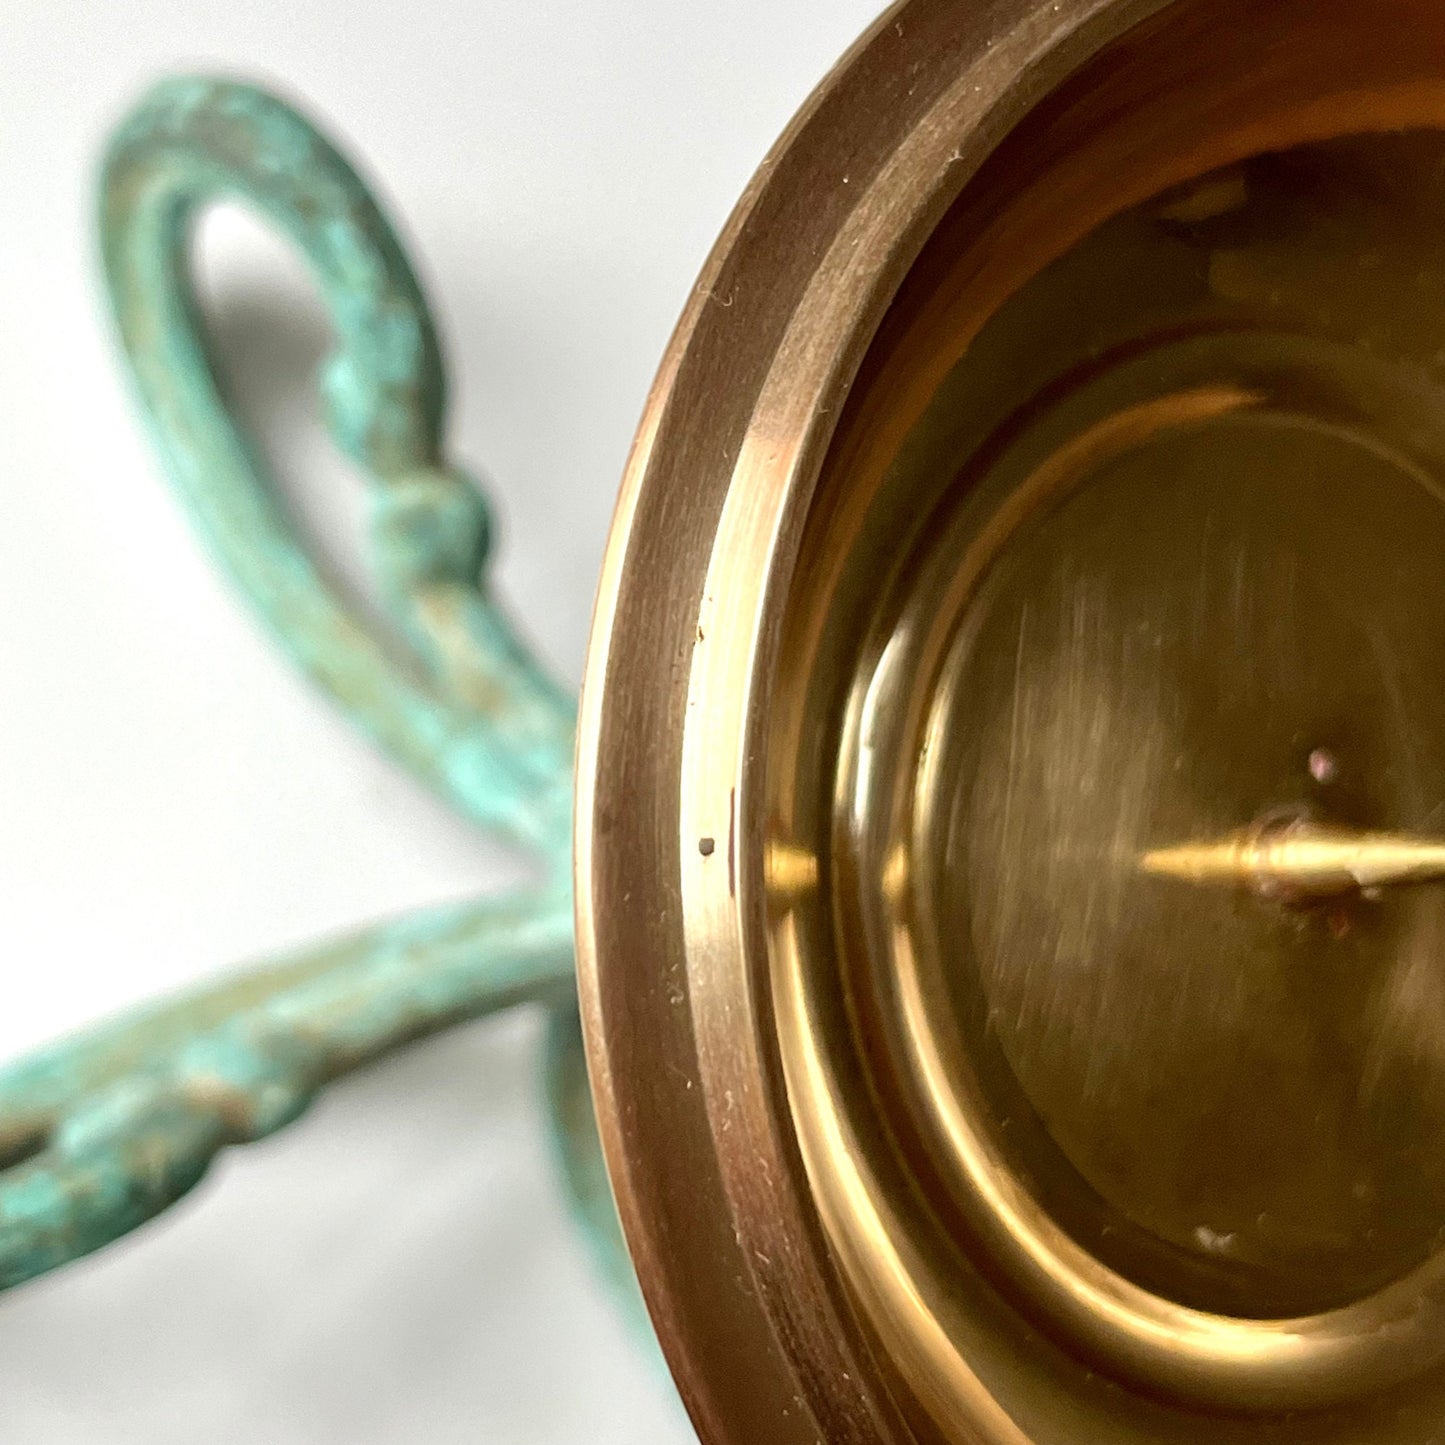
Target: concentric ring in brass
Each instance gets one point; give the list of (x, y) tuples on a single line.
[(1122, 635), (1045, 481)]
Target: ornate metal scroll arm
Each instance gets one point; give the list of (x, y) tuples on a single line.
[(123, 1121), (105, 1130), (467, 709)]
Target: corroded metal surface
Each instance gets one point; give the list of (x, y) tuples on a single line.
[(466, 709), (103, 1131), (128, 1118)]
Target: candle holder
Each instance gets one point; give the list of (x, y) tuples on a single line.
[(1007, 832)]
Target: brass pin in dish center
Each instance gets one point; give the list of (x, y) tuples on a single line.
[(1301, 860)]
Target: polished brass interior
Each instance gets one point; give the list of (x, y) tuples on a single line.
[(1091, 769), (1149, 595)]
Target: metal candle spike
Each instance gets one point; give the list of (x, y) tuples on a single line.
[(1304, 861), (999, 881)]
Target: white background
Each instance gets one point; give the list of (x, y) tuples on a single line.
[(397, 1267)]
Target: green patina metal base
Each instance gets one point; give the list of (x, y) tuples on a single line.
[(101, 1132)]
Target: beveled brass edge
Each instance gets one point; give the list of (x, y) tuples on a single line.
[(694, 1119), (611, 1003)]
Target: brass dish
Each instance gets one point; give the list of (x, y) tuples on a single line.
[(1013, 746)]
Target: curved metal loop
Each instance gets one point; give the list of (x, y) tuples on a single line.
[(469, 710), (103, 1131)]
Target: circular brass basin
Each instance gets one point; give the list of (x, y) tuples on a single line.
[(1012, 775)]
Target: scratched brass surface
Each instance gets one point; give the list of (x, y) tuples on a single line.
[(1207, 555), (1016, 907)]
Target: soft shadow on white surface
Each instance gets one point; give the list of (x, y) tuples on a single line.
[(398, 1267)]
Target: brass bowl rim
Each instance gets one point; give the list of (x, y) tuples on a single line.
[(732, 1259), (682, 1020)]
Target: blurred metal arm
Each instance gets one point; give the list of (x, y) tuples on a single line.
[(102, 1131), (463, 705), (107, 1129)]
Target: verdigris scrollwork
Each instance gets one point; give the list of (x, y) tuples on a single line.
[(103, 1131)]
